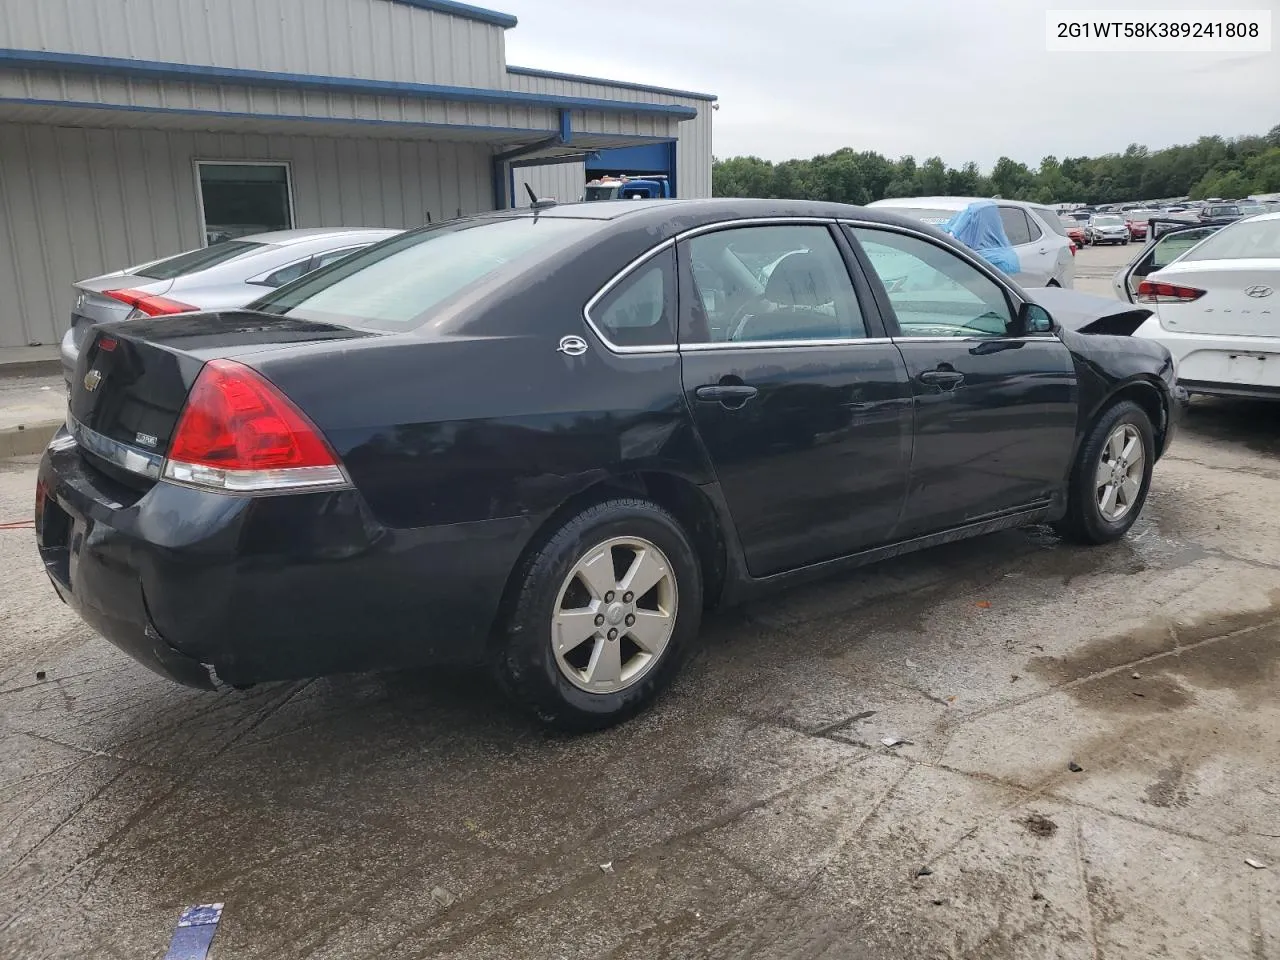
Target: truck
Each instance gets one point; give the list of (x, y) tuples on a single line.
[(646, 187)]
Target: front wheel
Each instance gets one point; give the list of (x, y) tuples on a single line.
[(1111, 476), (606, 610)]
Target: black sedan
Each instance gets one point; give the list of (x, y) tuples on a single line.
[(547, 440)]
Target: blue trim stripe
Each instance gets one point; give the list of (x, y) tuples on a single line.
[(464, 10), (197, 73), (620, 84)]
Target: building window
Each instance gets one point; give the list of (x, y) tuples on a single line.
[(238, 199)]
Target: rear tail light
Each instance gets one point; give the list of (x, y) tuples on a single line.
[(148, 305), (1153, 292), (240, 434)]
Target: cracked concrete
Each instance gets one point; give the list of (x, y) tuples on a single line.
[(753, 813)]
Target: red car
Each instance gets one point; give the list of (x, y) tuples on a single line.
[(1137, 227), (1076, 232)]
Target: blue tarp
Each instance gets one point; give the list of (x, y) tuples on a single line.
[(978, 227)]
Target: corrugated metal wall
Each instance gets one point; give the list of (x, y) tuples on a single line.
[(693, 147), (560, 181), (374, 39), (75, 202)]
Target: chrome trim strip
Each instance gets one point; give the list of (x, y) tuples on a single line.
[(982, 265), (613, 282), (671, 242), (766, 344), (752, 222), (141, 462)]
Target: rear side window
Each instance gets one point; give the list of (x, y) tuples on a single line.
[(196, 260), (639, 311), (1015, 225), (394, 285), (1054, 220)]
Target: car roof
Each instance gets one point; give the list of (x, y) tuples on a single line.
[(695, 212), (946, 203), (284, 238)]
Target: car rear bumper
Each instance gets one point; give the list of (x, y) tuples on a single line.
[(198, 585), (1225, 366)]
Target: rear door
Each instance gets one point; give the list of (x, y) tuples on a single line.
[(802, 403), (995, 409), (1034, 261)]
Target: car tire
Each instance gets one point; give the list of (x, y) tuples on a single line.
[(1100, 462), (556, 579)]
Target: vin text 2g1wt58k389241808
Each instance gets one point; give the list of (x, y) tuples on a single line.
[(547, 440)]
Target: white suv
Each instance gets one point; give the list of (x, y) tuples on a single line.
[(1046, 256)]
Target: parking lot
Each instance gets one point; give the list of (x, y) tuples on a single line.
[(1091, 756)]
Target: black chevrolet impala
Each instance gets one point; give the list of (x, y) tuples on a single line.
[(546, 440)]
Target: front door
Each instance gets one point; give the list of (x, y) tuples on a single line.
[(995, 410), (803, 404)]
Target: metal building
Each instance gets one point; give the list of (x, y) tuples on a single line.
[(132, 129)]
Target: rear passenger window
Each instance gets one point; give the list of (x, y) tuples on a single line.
[(1015, 225), (769, 283), (639, 311)]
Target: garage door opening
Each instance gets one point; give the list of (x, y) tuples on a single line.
[(237, 199)]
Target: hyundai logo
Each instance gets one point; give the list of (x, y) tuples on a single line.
[(1257, 291)]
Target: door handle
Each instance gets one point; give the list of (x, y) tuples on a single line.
[(944, 377), (731, 395)]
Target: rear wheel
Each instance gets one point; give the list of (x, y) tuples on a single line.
[(606, 610), (1111, 476)]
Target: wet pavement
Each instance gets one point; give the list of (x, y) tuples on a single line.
[(754, 812)]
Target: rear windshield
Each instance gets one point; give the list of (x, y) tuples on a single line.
[(195, 260), (392, 286), (1244, 240), (1229, 210)]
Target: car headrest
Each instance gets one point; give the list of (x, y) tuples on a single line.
[(799, 280)]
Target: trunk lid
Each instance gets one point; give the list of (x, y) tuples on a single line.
[(1242, 298), (132, 379)]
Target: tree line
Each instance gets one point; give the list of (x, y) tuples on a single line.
[(1230, 168)]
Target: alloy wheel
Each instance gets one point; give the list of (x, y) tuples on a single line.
[(1118, 480), (614, 615)]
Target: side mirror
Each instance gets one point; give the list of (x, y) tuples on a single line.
[(1034, 318)]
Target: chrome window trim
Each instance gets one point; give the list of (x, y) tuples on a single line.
[(671, 242), (767, 344), (981, 265), (616, 279), (140, 462)]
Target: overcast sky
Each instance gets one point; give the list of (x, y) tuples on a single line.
[(964, 79)]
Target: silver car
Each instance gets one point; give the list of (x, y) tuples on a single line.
[(224, 276), (1108, 228), (1046, 255)]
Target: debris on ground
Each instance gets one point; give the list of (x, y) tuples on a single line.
[(607, 867), (1039, 825), (443, 897), (897, 741), (1015, 678), (924, 872), (1137, 693), (40, 674), (984, 604), (1256, 864), (196, 929), (1037, 895), (1136, 675), (1074, 767)]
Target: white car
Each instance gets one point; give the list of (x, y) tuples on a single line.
[(1046, 255), (1217, 308)]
